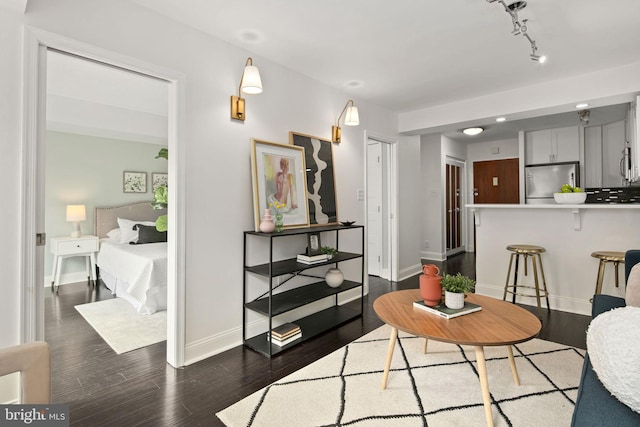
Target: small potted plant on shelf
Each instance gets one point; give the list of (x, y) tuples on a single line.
[(329, 251), (455, 288)]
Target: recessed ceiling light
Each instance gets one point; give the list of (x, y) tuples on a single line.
[(583, 105), (501, 119), (472, 131)]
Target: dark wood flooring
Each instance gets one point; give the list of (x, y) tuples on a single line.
[(139, 388)]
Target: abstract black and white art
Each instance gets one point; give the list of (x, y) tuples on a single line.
[(321, 189)]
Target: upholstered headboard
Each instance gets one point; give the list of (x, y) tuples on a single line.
[(106, 219)]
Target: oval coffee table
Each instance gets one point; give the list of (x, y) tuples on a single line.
[(499, 323)]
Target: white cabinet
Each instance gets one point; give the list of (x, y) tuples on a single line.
[(603, 151), (552, 145), (67, 247)]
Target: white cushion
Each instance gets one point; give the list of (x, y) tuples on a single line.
[(632, 295), (127, 233), (613, 344), (115, 235)]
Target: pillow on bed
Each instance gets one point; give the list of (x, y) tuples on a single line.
[(115, 234), (149, 234), (128, 233)]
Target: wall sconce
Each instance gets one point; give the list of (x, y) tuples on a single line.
[(350, 119), (75, 214), (250, 83)]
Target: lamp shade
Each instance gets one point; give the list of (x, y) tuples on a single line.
[(251, 81), (76, 213), (351, 117)]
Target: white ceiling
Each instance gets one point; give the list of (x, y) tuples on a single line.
[(409, 54)]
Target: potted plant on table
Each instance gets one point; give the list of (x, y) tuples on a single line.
[(455, 288)]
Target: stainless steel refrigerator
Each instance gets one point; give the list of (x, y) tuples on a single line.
[(541, 181)]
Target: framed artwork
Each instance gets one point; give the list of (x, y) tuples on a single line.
[(321, 185), (313, 244), (134, 182), (157, 180), (279, 178)]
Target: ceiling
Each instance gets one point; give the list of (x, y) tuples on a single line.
[(409, 54)]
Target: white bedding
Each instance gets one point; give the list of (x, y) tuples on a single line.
[(140, 272)]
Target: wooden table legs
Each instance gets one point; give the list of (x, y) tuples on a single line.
[(482, 372), (392, 345), (484, 384)]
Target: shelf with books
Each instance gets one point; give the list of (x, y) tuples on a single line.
[(273, 301)]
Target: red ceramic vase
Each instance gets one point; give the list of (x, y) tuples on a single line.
[(430, 287)]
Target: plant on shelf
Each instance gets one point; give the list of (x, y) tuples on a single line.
[(329, 251), (455, 287)]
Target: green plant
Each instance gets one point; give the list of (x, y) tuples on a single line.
[(328, 250), (458, 283), (161, 196), (566, 188)]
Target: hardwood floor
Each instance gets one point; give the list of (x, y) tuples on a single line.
[(138, 388)]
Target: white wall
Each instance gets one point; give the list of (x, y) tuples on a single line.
[(432, 197), (217, 149), (410, 205), (88, 170)]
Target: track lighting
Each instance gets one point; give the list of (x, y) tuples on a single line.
[(521, 27)]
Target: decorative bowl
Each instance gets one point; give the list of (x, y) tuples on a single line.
[(570, 198), (347, 223)]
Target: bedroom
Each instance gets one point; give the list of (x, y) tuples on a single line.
[(105, 124)]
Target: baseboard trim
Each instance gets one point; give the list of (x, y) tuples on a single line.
[(411, 271), (433, 256)]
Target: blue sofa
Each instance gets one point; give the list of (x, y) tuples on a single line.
[(595, 406)]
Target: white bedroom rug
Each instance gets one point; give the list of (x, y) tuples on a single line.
[(117, 322), (441, 388)]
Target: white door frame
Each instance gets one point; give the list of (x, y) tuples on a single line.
[(462, 164), (392, 231), (36, 42)]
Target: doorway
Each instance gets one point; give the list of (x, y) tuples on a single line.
[(380, 202), (32, 254), (454, 205)]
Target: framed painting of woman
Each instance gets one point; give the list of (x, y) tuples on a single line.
[(279, 182)]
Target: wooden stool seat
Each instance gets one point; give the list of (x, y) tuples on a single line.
[(606, 257), (526, 251)]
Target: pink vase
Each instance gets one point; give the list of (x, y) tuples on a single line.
[(430, 286), (267, 225)]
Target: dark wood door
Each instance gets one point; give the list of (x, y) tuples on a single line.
[(496, 181)]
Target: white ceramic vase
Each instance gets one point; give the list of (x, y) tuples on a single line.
[(334, 277), (454, 300)]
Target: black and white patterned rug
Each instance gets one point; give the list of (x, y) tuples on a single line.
[(440, 388)]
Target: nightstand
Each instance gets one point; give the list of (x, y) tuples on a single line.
[(67, 247)]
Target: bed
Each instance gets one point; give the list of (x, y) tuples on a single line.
[(135, 272)]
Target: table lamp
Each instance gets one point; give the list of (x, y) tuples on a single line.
[(75, 214)]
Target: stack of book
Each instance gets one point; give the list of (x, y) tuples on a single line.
[(448, 313), (312, 259), (285, 334)]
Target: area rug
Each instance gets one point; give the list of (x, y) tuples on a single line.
[(118, 323), (440, 388)]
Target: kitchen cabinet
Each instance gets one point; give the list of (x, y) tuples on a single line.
[(552, 145), (603, 151), (272, 301)]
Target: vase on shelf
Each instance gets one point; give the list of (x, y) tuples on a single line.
[(267, 225), (279, 225), (334, 277)]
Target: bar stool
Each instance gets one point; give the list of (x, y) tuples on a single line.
[(606, 257), (526, 251)]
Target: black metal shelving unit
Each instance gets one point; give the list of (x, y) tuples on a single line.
[(272, 303)]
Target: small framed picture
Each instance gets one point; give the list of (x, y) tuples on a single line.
[(158, 180), (134, 182), (313, 244)]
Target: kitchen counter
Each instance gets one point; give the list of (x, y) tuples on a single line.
[(569, 233)]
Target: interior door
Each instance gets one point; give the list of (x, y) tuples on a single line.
[(454, 203), (496, 181), (374, 209)]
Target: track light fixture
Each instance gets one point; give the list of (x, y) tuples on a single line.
[(250, 83), (521, 27), (350, 119)]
